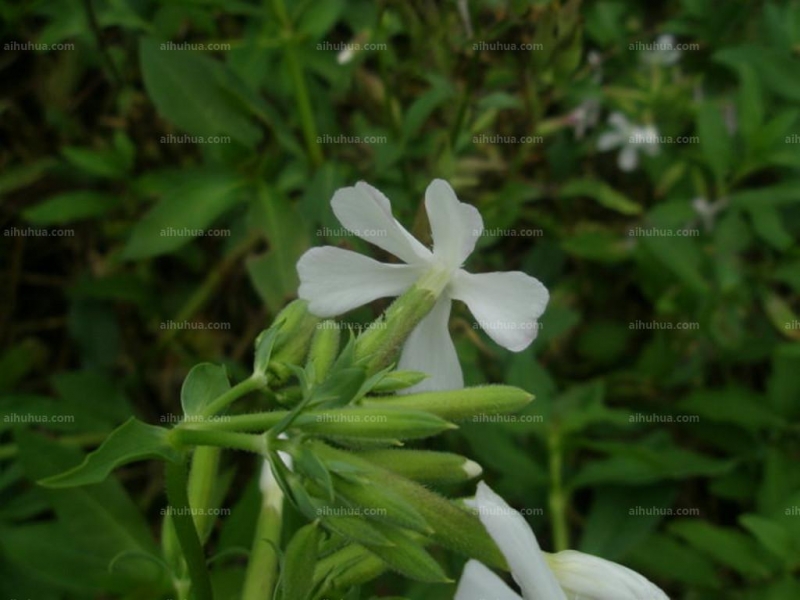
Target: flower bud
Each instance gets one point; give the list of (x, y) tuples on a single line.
[(424, 466), (460, 404), (379, 346), (295, 328), (373, 423), (585, 576), (324, 348)]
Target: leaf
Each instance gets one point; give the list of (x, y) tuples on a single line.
[(769, 225), (104, 163), (301, 559), (774, 537), (186, 90), (274, 274), (182, 214), (682, 256), (70, 206), (204, 384), (130, 442), (603, 194), (735, 406), (714, 140)]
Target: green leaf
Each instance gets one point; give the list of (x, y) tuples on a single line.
[(187, 90), (204, 384), (769, 225), (300, 561), (774, 537), (735, 406), (70, 206), (682, 256), (714, 140), (104, 163), (182, 214), (603, 194), (130, 442)]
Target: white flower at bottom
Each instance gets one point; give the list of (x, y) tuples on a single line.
[(333, 280), (567, 575)]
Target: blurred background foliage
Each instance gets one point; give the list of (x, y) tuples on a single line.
[(86, 147)]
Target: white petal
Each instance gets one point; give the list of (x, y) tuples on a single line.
[(480, 583), (609, 140), (516, 541), (592, 578), (430, 349), (505, 305), (367, 213), (628, 159), (334, 280), (455, 226), (619, 122)]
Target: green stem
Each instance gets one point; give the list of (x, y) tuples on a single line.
[(556, 496), (251, 384), (223, 439), (185, 530), (202, 477), (300, 88), (262, 568)]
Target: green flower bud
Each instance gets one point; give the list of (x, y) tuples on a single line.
[(424, 466), (372, 423), (459, 405), (379, 346), (324, 349), (296, 326)]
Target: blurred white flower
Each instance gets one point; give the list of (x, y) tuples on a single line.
[(567, 575), (585, 116), (708, 211), (631, 138), (664, 52), (334, 280)]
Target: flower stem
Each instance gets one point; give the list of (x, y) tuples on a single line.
[(223, 439), (202, 477), (185, 530), (557, 498), (262, 567)]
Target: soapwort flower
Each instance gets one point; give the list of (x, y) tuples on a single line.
[(631, 139), (334, 281), (567, 575)]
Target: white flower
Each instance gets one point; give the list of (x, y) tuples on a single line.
[(585, 116), (664, 52), (567, 575), (631, 138), (334, 280), (708, 211)]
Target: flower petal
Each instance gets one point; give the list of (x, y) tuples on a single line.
[(628, 158), (594, 578), (455, 226), (478, 582), (430, 349), (367, 213), (334, 280), (518, 544), (609, 140), (506, 305)]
